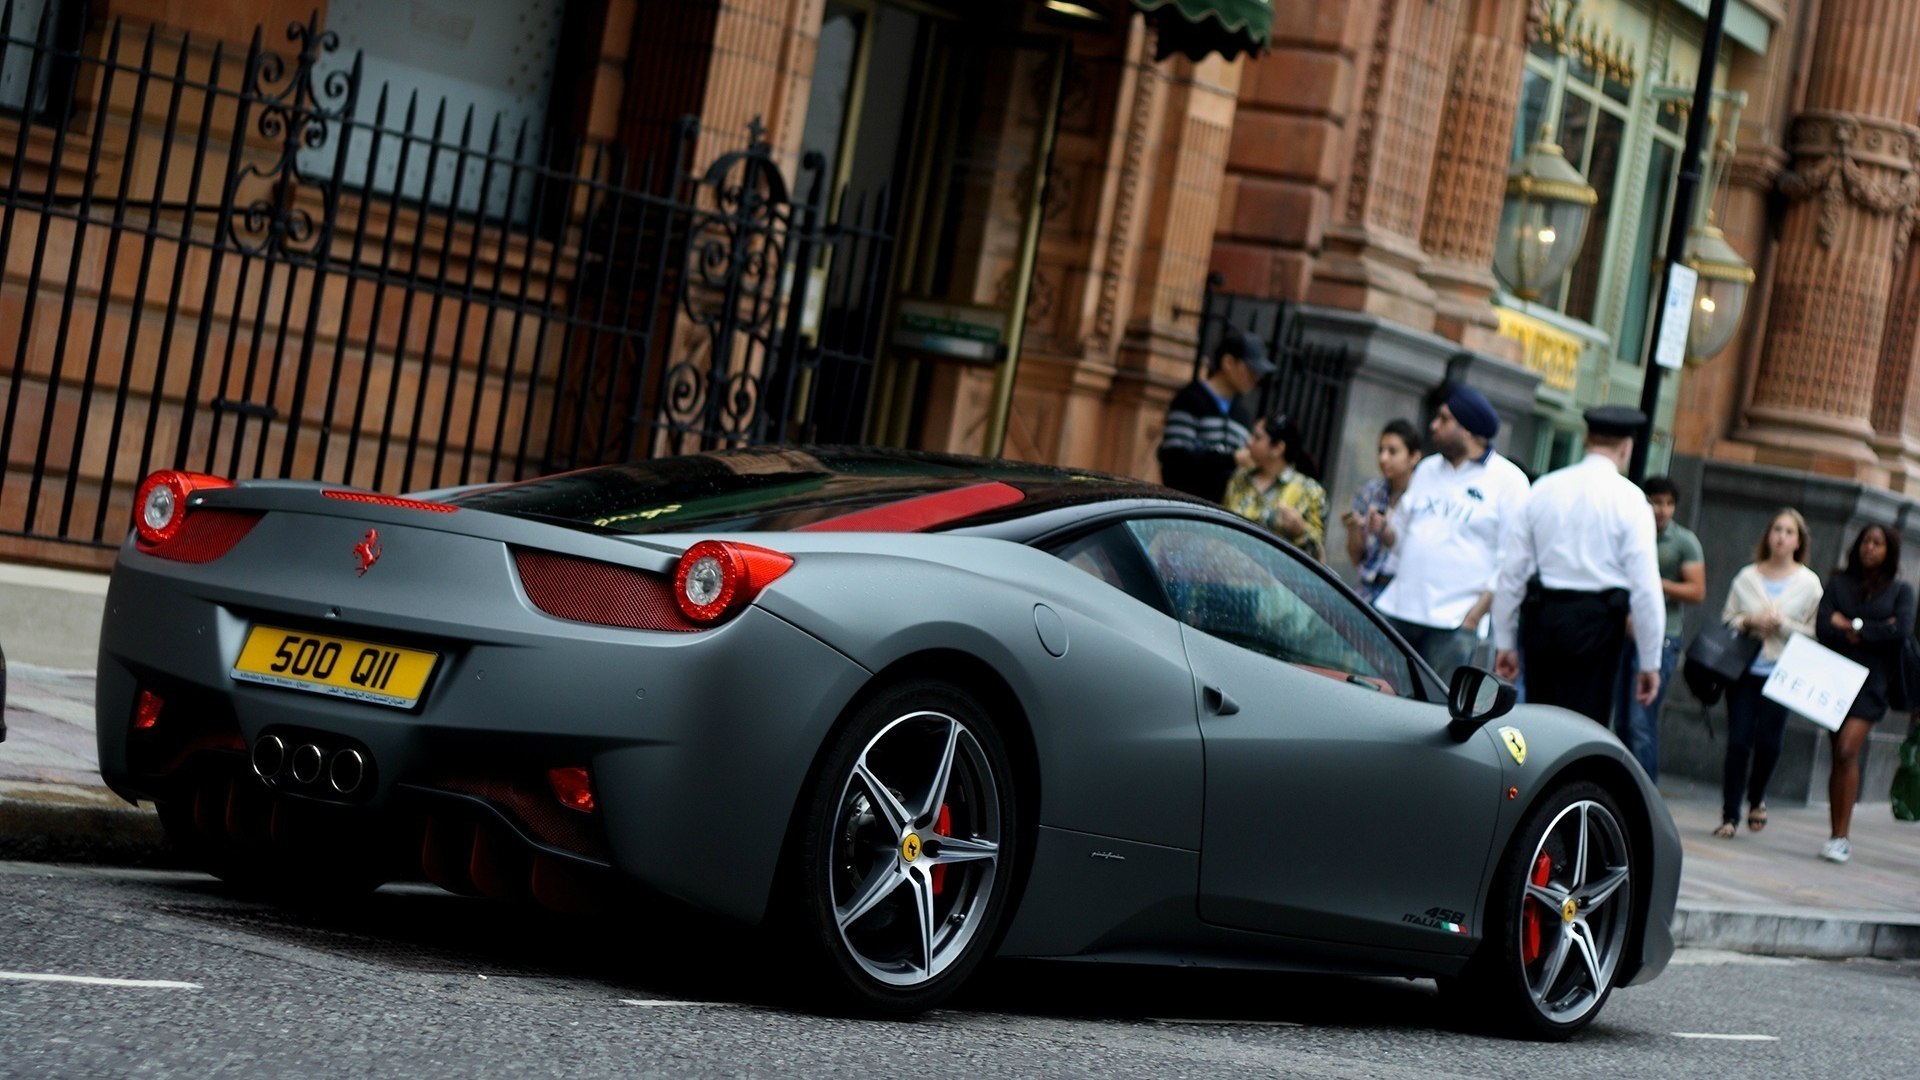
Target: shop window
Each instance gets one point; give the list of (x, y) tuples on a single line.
[(492, 59)]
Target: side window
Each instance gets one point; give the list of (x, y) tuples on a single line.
[(1113, 557), (1238, 588)]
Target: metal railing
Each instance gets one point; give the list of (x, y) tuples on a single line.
[(253, 264)]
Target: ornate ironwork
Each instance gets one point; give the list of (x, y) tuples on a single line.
[(298, 109)]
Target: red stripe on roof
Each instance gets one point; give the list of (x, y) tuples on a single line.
[(923, 512)]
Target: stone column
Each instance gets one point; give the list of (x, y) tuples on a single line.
[(1178, 134), (1373, 258), (1896, 399), (1852, 189), (1470, 171)]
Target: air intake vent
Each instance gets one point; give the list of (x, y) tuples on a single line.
[(590, 591)]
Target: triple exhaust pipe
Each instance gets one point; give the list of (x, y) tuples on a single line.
[(308, 763)]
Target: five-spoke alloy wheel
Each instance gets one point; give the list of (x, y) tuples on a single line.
[(1563, 915), (909, 845)]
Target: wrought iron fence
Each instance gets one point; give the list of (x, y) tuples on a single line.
[(252, 263), (1310, 383)]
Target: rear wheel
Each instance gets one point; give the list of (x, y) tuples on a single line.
[(1561, 918), (908, 848)]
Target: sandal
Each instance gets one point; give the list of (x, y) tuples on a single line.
[(1757, 817), (1725, 831)]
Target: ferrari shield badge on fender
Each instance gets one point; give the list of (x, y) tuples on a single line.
[(367, 551), (1516, 744)]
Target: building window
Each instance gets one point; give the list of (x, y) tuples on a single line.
[(493, 60), (1585, 98), (43, 91)]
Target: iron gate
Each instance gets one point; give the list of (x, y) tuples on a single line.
[(1310, 383), (255, 265)]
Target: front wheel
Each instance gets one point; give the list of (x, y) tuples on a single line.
[(908, 849), (1561, 917)]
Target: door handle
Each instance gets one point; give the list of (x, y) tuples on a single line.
[(1218, 702)]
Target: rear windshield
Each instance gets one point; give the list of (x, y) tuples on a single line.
[(778, 491)]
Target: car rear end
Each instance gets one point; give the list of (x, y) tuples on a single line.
[(505, 705)]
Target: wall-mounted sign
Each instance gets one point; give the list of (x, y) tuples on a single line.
[(956, 330)]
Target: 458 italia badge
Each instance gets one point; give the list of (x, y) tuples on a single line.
[(1516, 744)]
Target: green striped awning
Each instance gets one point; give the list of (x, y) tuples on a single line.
[(1195, 28)]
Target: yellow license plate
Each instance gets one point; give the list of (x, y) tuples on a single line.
[(360, 670)]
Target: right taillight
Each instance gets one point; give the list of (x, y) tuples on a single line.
[(166, 524), (717, 578)]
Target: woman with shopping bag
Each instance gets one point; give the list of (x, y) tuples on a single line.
[(1771, 598), (1866, 614)]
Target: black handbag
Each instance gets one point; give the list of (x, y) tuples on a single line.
[(1716, 658)]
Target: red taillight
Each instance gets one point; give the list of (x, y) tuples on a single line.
[(146, 711), (161, 505), (717, 578), (573, 787)]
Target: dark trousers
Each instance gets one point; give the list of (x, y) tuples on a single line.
[(1756, 725), (1571, 642)]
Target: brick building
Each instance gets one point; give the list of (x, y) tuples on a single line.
[(1354, 172)]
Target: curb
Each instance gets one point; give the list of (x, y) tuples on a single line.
[(59, 823), (1783, 931)]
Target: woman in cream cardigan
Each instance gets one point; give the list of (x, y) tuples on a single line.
[(1772, 598)]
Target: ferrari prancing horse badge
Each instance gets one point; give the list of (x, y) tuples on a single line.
[(1516, 744)]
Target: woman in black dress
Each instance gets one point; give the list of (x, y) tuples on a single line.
[(1866, 614)]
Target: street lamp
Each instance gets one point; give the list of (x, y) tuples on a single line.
[(1543, 220), (1720, 294)]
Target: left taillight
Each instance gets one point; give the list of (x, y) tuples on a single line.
[(166, 523), (717, 578)]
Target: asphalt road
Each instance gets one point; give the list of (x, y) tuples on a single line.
[(413, 982)]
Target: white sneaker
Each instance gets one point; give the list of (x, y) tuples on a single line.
[(1836, 850)]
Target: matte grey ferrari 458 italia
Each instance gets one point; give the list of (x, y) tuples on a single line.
[(907, 711)]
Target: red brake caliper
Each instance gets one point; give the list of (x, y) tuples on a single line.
[(943, 826), (1530, 913)]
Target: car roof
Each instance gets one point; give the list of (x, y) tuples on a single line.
[(815, 488)]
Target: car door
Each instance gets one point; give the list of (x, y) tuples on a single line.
[(1337, 805)]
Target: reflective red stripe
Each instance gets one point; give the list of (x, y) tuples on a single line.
[(923, 512)]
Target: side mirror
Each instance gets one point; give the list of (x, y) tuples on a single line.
[(1477, 696)]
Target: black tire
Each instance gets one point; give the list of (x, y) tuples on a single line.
[(920, 933), (1531, 977)]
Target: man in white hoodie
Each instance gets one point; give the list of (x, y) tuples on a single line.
[(1449, 531)]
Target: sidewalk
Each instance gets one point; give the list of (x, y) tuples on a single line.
[(1763, 892)]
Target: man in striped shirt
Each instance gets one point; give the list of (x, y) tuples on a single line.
[(1197, 451)]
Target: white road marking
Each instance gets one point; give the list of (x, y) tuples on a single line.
[(1696, 957), (671, 1003), (1221, 1023), (1726, 1038), (91, 980)]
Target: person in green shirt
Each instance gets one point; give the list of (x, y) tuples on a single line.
[(1683, 579)]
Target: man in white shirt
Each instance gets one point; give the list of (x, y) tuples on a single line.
[(1583, 557), (1448, 532)]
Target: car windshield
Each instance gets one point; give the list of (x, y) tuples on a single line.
[(786, 489)]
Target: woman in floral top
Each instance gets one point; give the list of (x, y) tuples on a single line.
[(1277, 491)]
